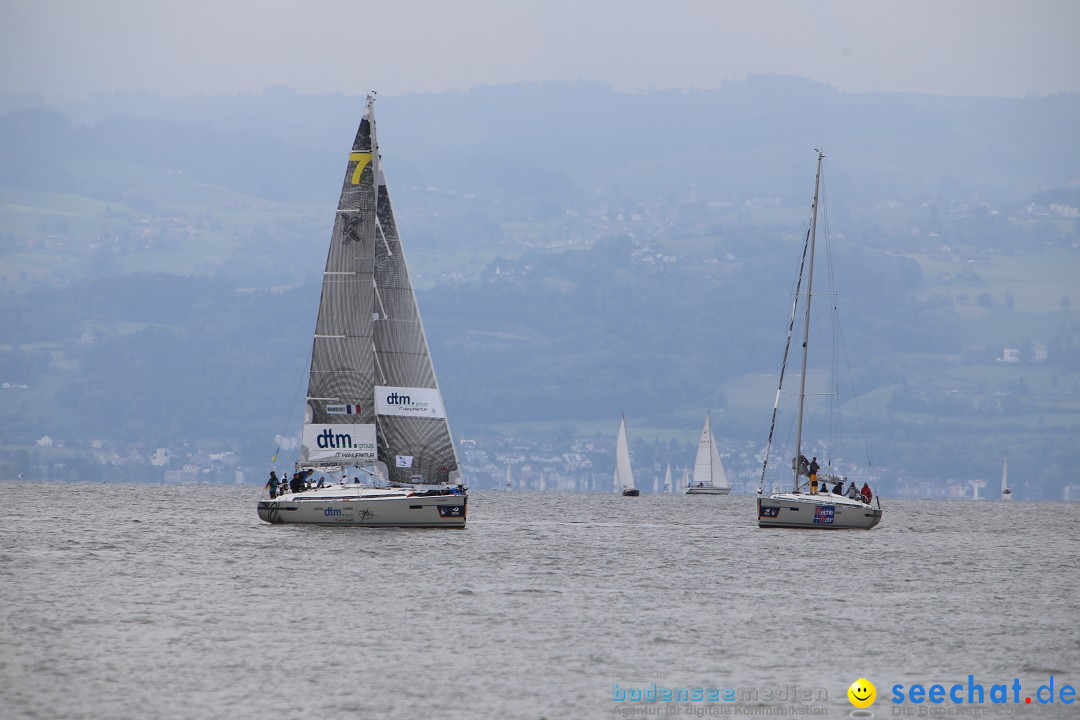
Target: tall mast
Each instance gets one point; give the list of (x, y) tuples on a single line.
[(806, 328), (708, 426), (374, 153)]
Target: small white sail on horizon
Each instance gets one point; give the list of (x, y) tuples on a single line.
[(1006, 492), (624, 476), (709, 475)]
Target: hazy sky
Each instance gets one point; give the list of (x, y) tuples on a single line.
[(180, 47)]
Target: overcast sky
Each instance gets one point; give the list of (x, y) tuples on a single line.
[(180, 47)]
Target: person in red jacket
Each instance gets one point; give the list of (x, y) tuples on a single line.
[(866, 493)]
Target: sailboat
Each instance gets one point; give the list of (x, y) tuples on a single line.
[(1006, 492), (624, 476), (509, 478), (801, 508), (709, 476), (667, 479), (373, 408)]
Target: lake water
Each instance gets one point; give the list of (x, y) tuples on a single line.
[(154, 601)]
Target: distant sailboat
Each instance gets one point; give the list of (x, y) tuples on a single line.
[(709, 476), (624, 476), (1006, 493), (509, 478), (667, 479)]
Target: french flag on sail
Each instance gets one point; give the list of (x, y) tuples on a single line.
[(342, 409)]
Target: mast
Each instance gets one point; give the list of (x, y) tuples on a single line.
[(806, 328), (708, 427), (369, 111)]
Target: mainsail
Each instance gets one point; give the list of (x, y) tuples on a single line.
[(372, 392), (624, 476), (708, 470)]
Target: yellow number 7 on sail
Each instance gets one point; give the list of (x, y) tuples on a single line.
[(362, 159)]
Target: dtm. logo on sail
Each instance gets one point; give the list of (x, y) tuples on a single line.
[(329, 439), (398, 399)]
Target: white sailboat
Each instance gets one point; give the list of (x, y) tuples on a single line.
[(709, 476), (1006, 491), (509, 478), (373, 403), (624, 476), (667, 479), (801, 508)]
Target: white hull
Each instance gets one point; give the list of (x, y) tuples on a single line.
[(350, 506), (708, 491), (823, 511)]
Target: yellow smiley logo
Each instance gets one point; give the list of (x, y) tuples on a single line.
[(862, 693)]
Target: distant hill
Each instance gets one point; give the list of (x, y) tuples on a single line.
[(744, 140), (579, 252)]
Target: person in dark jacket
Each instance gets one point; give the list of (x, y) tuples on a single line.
[(273, 484), (814, 467)]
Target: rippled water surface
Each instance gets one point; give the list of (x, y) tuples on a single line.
[(153, 601)]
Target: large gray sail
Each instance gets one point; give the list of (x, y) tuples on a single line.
[(414, 435), (339, 421), (372, 394)]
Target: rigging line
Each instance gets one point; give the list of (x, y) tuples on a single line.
[(834, 420), (854, 395), (783, 364), (840, 349), (288, 419), (842, 346)]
